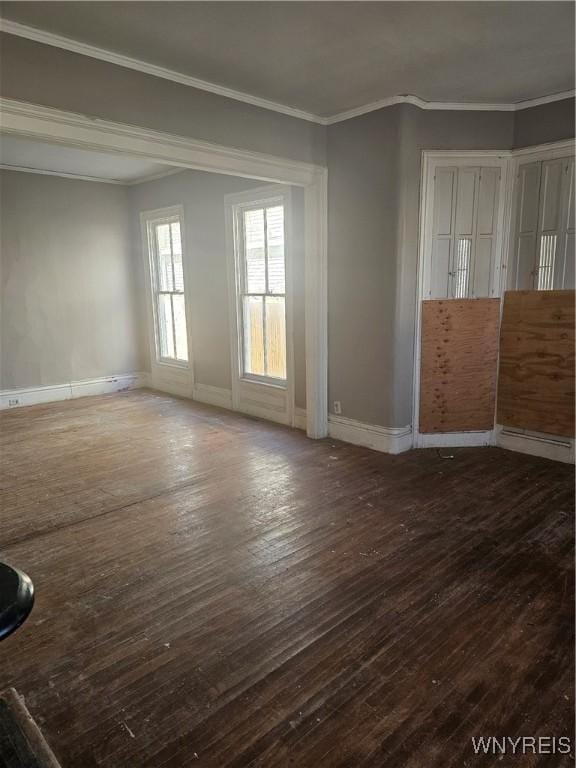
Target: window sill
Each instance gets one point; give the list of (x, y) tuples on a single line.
[(280, 384), (181, 366)]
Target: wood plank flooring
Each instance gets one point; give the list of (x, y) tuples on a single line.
[(214, 590)]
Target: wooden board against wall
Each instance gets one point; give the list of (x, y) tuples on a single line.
[(536, 379), (459, 357)]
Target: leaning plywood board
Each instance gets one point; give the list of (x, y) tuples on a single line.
[(536, 379), (459, 360)]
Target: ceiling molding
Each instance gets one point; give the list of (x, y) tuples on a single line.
[(68, 44), (62, 174)]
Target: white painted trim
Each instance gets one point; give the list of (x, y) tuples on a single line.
[(97, 179), (120, 60), (152, 177), (455, 439), (72, 389), (72, 129), (61, 174), (316, 304), (299, 420), (384, 439), (95, 52), (545, 446), (472, 106), (548, 151), (206, 393)]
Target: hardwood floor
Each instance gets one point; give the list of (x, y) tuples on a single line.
[(217, 591)]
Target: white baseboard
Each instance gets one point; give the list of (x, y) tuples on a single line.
[(384, 439), (299, 419), (536, 444), (17, 398), (454, 439), (206, 393)]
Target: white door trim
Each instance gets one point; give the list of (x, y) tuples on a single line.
[(57, 126)]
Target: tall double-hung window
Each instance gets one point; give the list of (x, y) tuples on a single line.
[(167, 278), (261, 290)]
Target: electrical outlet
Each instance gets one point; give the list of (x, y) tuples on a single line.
[(13, 402), (337, 407)]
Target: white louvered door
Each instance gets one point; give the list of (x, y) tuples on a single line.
[(464, 237), (544, 228)]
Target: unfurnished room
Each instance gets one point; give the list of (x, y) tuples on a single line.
[(287, 384)]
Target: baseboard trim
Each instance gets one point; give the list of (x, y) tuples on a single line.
[(206, 393), (544, 446), (18, 398), (299, 418), (454, 439), (383, 439)]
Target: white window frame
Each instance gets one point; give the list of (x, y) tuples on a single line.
[(236, 205), (169, 216), (167, 373)]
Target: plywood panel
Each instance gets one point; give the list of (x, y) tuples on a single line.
[(536, 381), (459, 360)]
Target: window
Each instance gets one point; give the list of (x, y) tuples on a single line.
[(261, 291), (165, 243)]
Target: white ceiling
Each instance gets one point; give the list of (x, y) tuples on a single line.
[(23, 153), (329, 57)]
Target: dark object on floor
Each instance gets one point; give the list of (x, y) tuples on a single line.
[(21, 742), (16, 599)]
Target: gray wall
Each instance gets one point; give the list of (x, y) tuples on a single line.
[(68, 297), (44, 75), (374, 177), (548, 122), (202, 196)]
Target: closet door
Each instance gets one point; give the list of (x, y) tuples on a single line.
[(564, 273), (464, 232), (464, 250), (528, 194), (442, 244), (486, 232), (549, 225)]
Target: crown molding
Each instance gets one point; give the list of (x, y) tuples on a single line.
[(68, 44), (61, 174), (468, 106), (83, 177)]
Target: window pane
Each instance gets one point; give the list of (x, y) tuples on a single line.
[(462, 267), (176, 239), (180, 327), (164, 262), (165, 328), (254, 251), (253, 335), (275, 237), (545, 271), (275, 337)]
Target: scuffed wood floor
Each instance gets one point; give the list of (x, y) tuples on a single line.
[(217, 591)]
